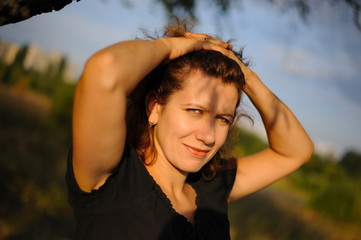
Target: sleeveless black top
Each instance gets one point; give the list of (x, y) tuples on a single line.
[(130, 205)]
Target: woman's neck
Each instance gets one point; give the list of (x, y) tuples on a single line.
[(169, 178)]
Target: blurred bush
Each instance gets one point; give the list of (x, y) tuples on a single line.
[(331, 190), (35, 127)]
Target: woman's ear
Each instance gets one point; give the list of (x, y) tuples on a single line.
[(153, 108)]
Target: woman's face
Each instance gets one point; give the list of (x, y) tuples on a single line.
[(194, 123)]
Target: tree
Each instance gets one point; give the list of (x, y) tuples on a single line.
[(351, 162), (12, 11)]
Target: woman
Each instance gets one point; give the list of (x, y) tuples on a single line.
[(149, 120)]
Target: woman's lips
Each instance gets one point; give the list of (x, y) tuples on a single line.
[(196, 151)]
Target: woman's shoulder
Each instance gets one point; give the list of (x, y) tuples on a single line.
[(121, 177)]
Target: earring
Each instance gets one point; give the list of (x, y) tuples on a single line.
[(151, 123)]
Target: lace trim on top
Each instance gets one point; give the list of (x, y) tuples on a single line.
[(168, 204)]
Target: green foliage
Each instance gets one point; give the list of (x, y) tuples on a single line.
[(316, 163), (4, 76), (243, 142), (61, 114), (20, 56), (174, 7), (184, 8), (259, 216), (325, 188), (351, 163), (45, 82), (331, 191), (33, 202), (50, 83), (339, 200), (338, 197)]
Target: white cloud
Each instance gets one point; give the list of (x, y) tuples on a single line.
[(302, 62)]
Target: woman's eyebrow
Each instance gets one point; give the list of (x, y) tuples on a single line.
[(196, 105), (227, 114)]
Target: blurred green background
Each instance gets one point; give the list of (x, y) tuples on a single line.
[(322, 200)]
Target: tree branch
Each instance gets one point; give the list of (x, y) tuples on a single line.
[(12, 11)]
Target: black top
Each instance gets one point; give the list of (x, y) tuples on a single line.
[(130, 205)]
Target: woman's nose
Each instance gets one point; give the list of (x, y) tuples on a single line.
[(206, 132)]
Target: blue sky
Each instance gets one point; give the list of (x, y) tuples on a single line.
[(313, 66)]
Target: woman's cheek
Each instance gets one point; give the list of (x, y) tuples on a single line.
[(222, 135), (186, 124)]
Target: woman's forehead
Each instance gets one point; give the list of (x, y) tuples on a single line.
[(202, 89)]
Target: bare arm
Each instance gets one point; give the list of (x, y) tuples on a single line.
[(289, 144), (99, 125)]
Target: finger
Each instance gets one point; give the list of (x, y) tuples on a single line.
[(219, 43), (216, 47), (224, 51), (199, 36), (207, 38)]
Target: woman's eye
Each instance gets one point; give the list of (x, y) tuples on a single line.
[(225, 120), (193, 110)]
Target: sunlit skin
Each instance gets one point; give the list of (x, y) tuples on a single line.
[(194, 123)]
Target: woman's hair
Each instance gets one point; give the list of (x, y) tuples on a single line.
[(168, 78)]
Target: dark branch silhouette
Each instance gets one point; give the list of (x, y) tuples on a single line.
[(12, 11)]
